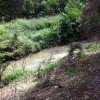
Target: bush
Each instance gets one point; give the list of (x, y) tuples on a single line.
[(70, 24)]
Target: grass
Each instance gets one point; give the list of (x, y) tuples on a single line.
[(49, 67), (71, 71), (9, 76), (92, 48), (23, 25)]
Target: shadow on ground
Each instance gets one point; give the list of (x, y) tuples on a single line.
[(81, 86)]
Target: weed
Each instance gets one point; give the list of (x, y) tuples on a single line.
[(10, 76), (71, 71)]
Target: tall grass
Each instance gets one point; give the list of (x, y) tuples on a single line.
[(21, 37), (24, 26)]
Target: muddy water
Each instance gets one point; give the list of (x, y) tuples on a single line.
[(32, 62)]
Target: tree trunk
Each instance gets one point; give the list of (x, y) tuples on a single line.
[(91, 20)]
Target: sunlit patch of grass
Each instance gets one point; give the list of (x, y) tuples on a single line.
[(49, 67), (26, 26), (46, 68), (10, 76), (92, 48)]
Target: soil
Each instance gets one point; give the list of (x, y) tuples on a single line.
[(83, 85)]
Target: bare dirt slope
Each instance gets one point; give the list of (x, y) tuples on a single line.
[(84, 85)]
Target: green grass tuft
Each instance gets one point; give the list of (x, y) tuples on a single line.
[(92, 48), (71, 71), (10, 76)]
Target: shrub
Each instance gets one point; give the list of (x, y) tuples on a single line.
[(18, 53), (70, 24)]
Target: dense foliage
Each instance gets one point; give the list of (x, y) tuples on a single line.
[(21, 37), (71, 22), (11, 9)]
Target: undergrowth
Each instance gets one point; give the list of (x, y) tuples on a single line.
[(21, 37)]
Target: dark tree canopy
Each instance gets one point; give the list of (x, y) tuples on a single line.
[(10, 9)]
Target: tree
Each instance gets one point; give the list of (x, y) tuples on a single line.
[(10, 9), (28, 8), (91, 20)]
